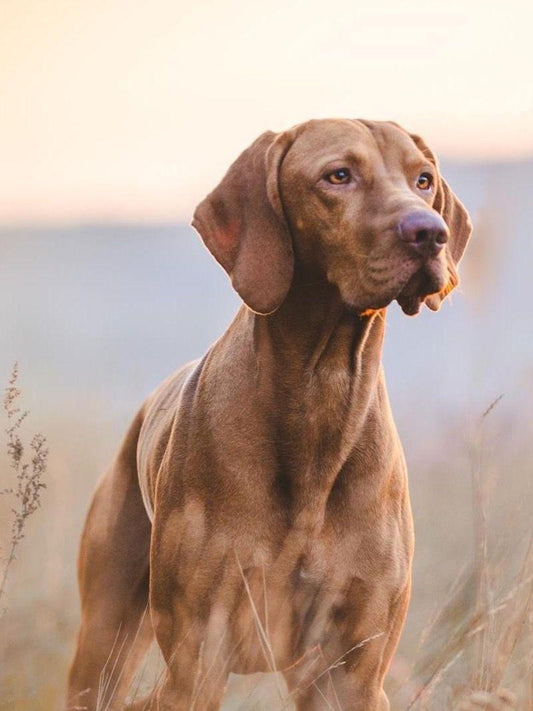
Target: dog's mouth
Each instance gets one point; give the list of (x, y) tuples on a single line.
[(429, 279)]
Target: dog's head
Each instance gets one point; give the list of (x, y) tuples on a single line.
[(359, 203)]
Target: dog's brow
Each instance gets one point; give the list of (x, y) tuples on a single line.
[(346, 156), (412, 164), (413, 159)]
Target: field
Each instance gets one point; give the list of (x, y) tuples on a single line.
[(97, 316)]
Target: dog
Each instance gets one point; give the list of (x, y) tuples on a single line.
[(257, 516)]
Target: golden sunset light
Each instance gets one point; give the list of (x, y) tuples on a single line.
[(132, 110)]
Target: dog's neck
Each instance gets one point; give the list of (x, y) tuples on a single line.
[(312, 322), (319, 368)]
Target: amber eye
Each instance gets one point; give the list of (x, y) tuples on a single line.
[(425, 181), (339, 177)]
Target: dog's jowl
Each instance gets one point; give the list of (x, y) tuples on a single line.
[(257, 516)]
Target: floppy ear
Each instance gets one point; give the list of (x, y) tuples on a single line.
[(456, 217), (242, 224)]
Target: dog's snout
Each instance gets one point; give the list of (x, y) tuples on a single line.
[(424, 231)]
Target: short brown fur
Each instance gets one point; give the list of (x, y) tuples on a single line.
[(282, 534)]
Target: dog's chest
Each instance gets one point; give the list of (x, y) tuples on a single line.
[(288, 602)]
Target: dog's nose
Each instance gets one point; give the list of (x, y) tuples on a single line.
[(426, 232)]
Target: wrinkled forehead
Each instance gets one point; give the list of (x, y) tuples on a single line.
[(371, 142)]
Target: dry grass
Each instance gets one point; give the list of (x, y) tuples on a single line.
[(479, 639), (482, 634), (26, 491)]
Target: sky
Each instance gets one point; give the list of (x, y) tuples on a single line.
[(133, 110)]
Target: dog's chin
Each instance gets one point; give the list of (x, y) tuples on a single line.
[(430, 279), (409, 291)]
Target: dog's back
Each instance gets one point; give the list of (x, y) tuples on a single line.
[(158, 413)]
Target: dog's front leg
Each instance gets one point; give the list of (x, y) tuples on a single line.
[(348, 674), (325, 696), (177, 694), (334, 687), (196, 675), (192, 637)]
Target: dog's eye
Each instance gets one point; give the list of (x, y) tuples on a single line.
[(425, 181), (339, 177)]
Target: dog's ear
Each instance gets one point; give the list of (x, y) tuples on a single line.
[(456, 217), (243, 225)]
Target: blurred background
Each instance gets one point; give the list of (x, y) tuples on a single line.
[(117, 118)]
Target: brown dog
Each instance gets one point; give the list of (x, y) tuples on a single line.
[(259, 502)]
